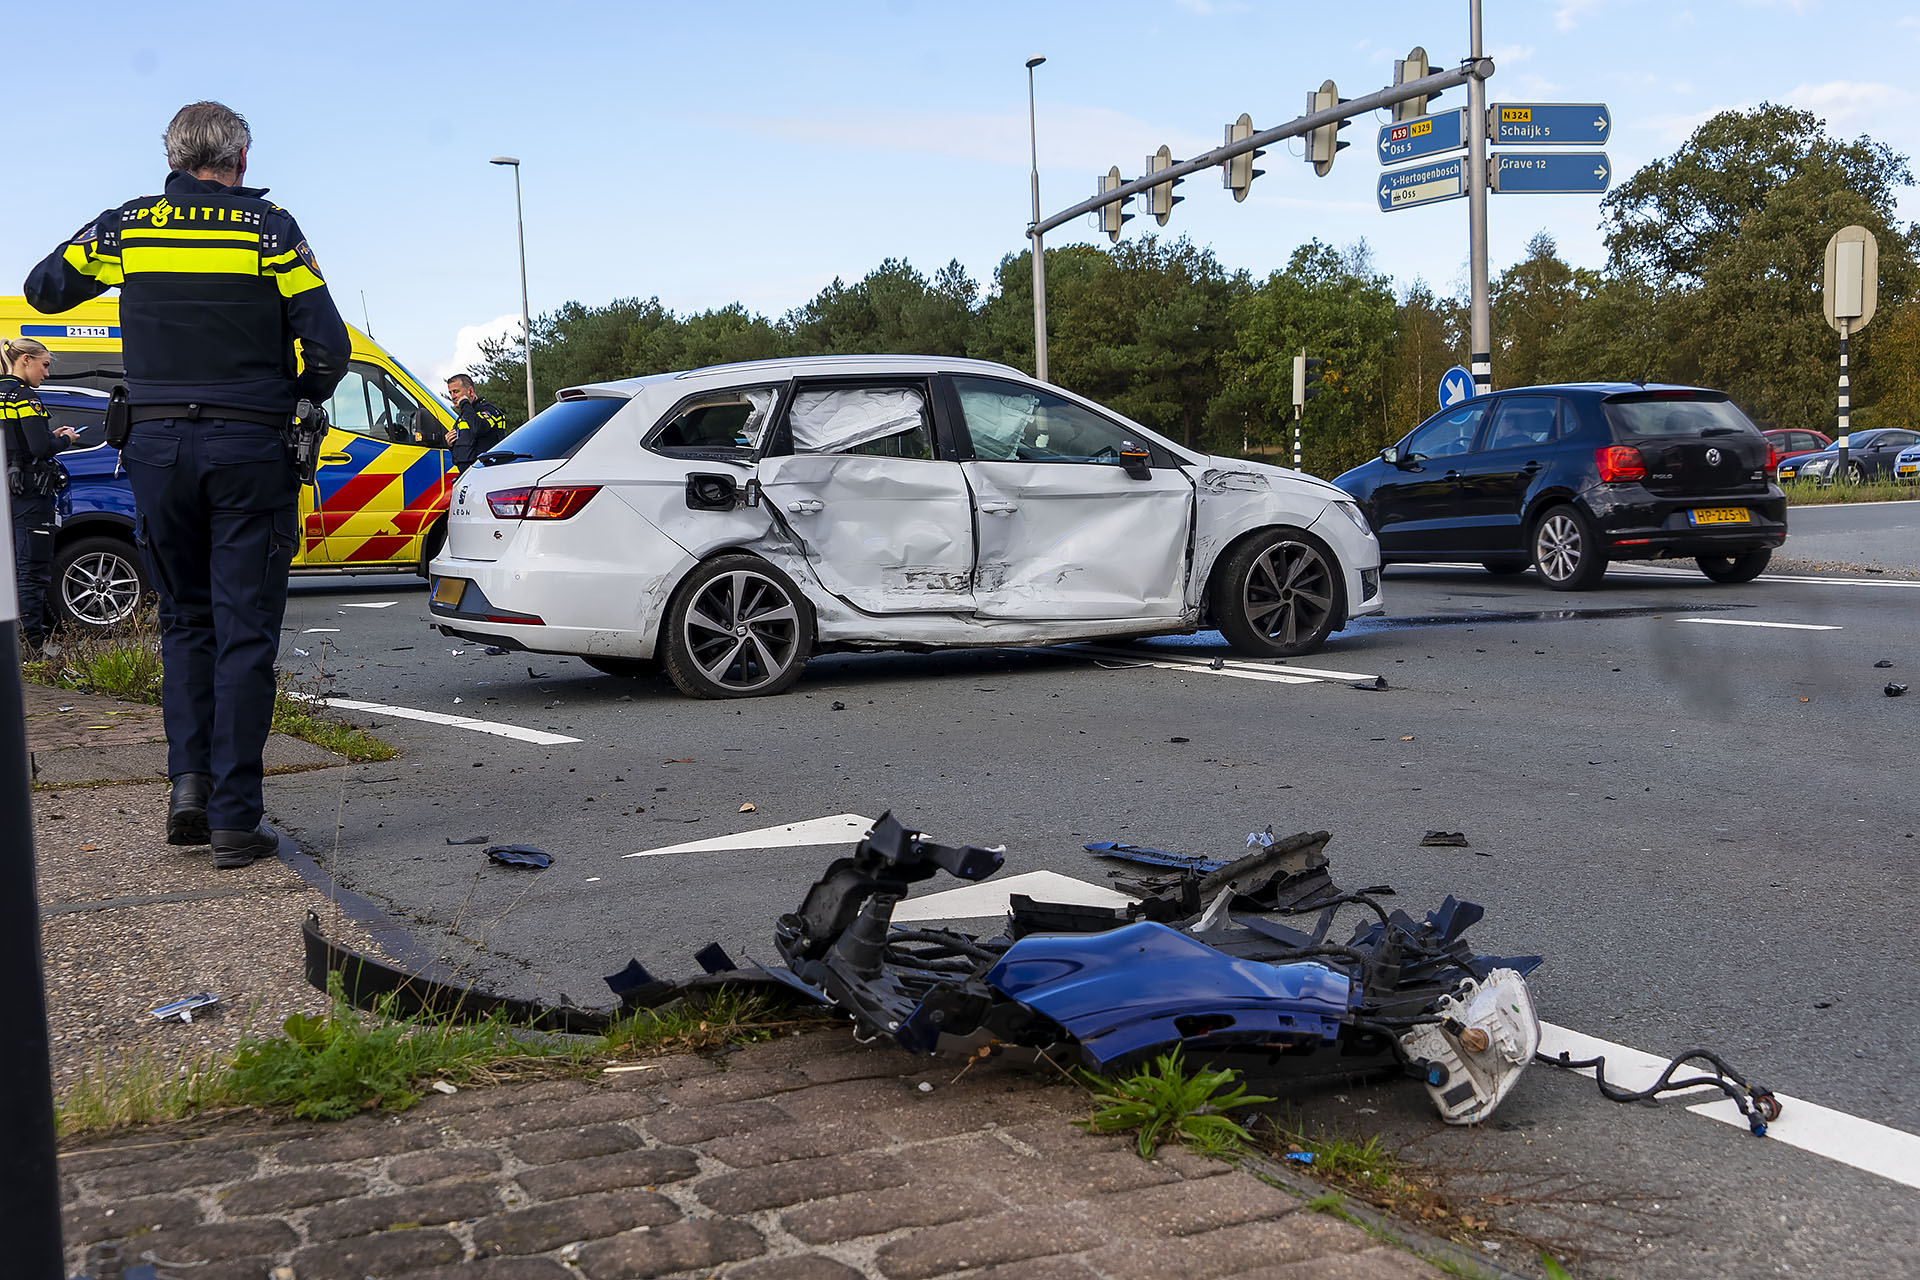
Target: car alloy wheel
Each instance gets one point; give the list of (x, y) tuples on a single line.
[(100, 586), (1564, 550), (738, 628), (1278, 595)]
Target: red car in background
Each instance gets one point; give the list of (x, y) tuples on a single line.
[(1784, 443)]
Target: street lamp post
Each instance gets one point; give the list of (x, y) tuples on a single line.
[(1039, 248), (526, 319)]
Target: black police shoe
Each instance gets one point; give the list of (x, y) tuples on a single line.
[(187, 809), (233, 849)]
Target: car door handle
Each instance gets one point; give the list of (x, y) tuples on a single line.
[(1531, 467), (335, 459), (998, 508), (806, 506), (1454, 476)]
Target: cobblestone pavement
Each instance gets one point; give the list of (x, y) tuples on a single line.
[(802, 1159)]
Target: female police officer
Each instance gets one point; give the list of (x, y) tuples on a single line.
[(33, 479)]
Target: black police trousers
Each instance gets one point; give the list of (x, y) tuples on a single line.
[(217, 505), (32, 563)]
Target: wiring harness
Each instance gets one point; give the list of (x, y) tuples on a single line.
[(1757, 1104)]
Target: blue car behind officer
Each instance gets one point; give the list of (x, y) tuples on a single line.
[(215, 284)]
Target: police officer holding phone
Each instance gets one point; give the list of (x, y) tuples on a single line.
[(481, 426), (34, 480), (216, 283)]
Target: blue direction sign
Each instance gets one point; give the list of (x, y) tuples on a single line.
[(1551, 124), (1552, 172), (1456, 385), (1427, 136), (1423, 184)]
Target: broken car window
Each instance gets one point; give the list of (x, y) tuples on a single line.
[(1014, 423), (886, 422), (725, 420)]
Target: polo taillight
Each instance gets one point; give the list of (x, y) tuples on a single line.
[(1620, 462), (557, 502)]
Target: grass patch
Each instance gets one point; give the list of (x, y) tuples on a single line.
[(1805, 493), (1368, 1169), (124, 662), (1166, 1102), (342, 1062), (147, 1089), (297, 719), (724, 1016)]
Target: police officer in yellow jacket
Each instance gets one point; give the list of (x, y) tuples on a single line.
[(215, 284), (34, 480)]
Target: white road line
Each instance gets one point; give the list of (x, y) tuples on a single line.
[(376, 604), (537, 737), (1749, 622), (1229, 666), (841, 828), (321, 631), (1888, 1153), (1910, 584)]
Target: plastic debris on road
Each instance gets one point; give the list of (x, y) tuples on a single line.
[(469, 840), (520, 855), (183, 1008), (1445, 840), (1895, 688)]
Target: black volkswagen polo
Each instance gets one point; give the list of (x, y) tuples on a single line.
[(1565, 478)]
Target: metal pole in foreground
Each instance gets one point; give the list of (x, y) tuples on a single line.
[(526, 320), (1481, 356), (1846, 406), (29, 1168), (1039, 247)]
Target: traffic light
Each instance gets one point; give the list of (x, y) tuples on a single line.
[(1238, 173), (1113, 216), (1323, 143), (1160, 198), (1405, 70), (1309, 378)]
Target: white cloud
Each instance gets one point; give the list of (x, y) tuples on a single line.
[(466, 344), (1568, 16), (1089, 138), (1208, 8), (1510, 54), (1846, 103)]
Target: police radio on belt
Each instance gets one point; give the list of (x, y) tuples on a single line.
[(303, 436)]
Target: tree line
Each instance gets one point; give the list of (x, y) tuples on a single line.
[(1714, 269)]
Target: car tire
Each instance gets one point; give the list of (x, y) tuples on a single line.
[(737, 628), (1504, 568), (1741, 568), (1565, 551), (1856, 474), (627, 668), (98, 582), (1279, 594)]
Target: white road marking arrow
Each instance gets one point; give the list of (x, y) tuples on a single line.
[(841, 828), (982, 901)]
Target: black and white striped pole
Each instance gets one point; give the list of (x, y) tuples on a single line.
[(29, 1170), (1852, 289)]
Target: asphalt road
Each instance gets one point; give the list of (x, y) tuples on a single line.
[(1708, 830), (1883, 536)]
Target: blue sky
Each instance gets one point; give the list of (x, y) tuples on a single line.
[(721, 151)]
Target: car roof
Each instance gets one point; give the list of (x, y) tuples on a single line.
[(799, 367), (73, 397), (1607, 388)]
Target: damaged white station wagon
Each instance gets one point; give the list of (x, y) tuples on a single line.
[(730, 522)]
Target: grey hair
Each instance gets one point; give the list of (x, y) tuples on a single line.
[(207, 135)]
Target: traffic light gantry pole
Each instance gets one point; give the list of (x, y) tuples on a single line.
[(1426, 86)]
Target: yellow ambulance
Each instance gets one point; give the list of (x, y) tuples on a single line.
[(377, 500)]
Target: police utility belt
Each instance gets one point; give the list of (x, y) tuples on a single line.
[(36, 478), (301, 431)]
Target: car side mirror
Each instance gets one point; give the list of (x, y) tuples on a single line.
[(707, 491), (1391, 454), (1136, 460), (424, 424)]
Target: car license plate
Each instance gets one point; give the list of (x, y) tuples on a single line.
[(1718, 515), (447, 591), (1907, 469)]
